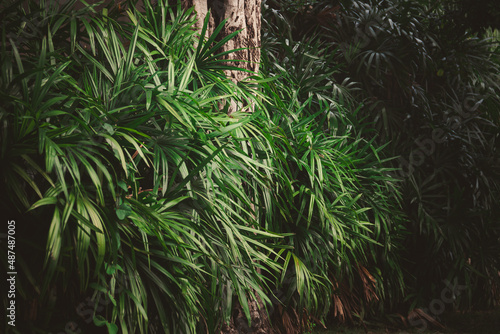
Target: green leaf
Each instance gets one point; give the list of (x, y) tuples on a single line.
[(123, 211), (99, 321)]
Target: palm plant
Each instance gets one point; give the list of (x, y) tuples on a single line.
[(142, 206), (114, 140), (432, 97), (441, 88), (345, 206)]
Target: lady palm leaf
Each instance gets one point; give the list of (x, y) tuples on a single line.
[(407, 89), (139, 171)]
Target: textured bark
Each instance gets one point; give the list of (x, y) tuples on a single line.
[(238, 324), (201, 8), (242, 15)]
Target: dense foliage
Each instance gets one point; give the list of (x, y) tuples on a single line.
[(429, 85), (434, 94), (141, 206)]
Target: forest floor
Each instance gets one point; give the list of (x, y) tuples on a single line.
[(477, 322)]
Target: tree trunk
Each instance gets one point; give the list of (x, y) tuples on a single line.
[(244, 15), (201, 8)]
